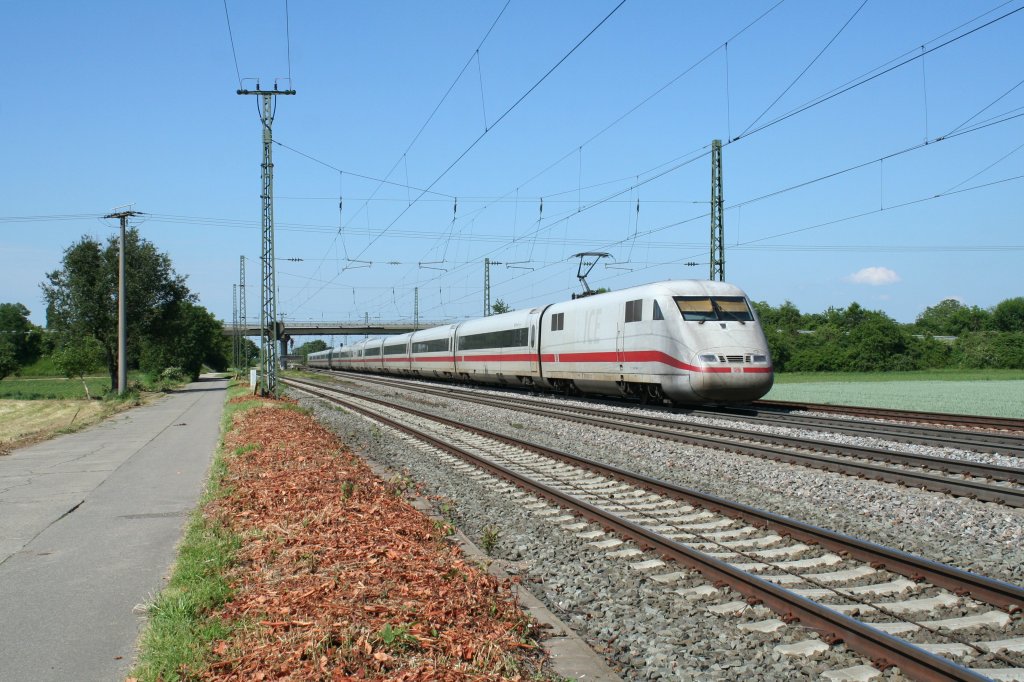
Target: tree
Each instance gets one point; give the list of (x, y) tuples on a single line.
[(78, 356), (8, 363), (499, 307), (81, 296), (198, 340), (784, 318), (20, 340), (1008, 316), (250, 353), (313, 346), (951, 318)]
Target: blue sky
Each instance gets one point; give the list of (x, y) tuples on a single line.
[(109, 103)]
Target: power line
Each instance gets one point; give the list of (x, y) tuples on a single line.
[(986, 107), (358, 175), (654, 94), (801, 74), (813, 103), (231, 37), (703, 215), (288, 41), (404, 155), (322, 228), (493, 126), (824, 98)]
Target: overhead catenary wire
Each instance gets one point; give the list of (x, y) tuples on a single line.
[(796, 231), (250, 224), (637, 107), (497, 121), (703, 215), (987, 107), (609, 126), (806, 68), (365, 206), (288, 40), (821, 99), (849, 86), (871, 75), (231, 38)]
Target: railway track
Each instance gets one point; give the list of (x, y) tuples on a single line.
[(1007, 442), (841, 586), (943, 418), (986, 482)]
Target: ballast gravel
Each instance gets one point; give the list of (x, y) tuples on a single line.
[(640, 625), (983, 537), (644, 629)]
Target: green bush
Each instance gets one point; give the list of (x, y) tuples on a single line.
[(989, 350)]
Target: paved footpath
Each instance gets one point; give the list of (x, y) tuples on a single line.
[(88, 527)]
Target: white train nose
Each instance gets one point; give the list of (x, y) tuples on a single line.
[(733, 376)]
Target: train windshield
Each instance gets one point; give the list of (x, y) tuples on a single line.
[(714, 308)]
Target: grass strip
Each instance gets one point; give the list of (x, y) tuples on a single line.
[(181, 628)]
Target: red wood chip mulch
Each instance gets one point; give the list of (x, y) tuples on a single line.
[(340, 578)]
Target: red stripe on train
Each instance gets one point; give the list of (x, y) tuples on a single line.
[(564, 358)]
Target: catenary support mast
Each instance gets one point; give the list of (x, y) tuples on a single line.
[(268, 288), (234, 328), (243, 318), (487, 287), (717, 214)]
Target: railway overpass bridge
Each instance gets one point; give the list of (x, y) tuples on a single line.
[(289, 329), (294, 328)]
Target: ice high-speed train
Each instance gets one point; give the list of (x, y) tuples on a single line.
[(689, 341)]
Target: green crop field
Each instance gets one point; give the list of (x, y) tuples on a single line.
[(51, 388), (991, 393)]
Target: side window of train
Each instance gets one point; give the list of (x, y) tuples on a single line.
[(533, 329), (558, 322), (634, 310), (657, 312)]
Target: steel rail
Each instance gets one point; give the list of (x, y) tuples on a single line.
[(995, 592), (1001, 423), (883, 649), (1003, 442), (976, 469), (1005, 436), (777, 450)]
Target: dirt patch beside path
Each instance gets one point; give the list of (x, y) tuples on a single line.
[(338, 577)]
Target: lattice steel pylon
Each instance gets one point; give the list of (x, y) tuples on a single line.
[(235, 341), (717, 215), (268, 288), (487, 287), (243, 318), (416, 309)]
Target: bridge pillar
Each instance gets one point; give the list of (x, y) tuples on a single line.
[(284, 339)]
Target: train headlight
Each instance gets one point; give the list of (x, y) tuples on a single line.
[(709, 358), (760, 358)]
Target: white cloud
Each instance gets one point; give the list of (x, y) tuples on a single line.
[(875, 276)]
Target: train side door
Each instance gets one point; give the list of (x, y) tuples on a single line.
[(454, 351), (534, 340), (620, 333)]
